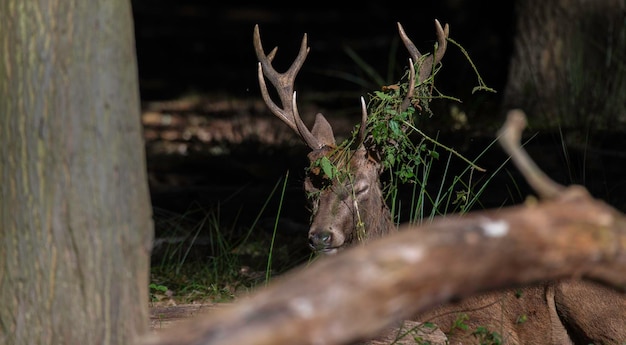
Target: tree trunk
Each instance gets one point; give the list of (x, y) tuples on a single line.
[(567, 67), (75, 222)]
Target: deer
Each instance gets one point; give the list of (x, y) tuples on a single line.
[(351, 210)]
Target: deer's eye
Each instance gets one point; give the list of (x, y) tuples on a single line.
[(360, 187)]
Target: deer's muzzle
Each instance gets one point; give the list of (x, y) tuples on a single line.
[(325, 241)]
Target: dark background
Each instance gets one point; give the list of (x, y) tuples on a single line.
[(198, 74), (199, 46)]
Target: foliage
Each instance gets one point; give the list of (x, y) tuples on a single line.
[(460, 323), (406, 153), (414, 333), (231, 263), (521, 319), (156, 290), (487, 337)]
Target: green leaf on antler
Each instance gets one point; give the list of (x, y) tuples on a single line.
[(327, 167)]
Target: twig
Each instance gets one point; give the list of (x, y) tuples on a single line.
[(510, 138)]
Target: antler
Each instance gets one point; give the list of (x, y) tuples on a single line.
[(284, 84), (427, 64), (425, 69), (433, 60), (321, 134)]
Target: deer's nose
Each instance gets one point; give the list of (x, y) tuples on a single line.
[(320, 240)]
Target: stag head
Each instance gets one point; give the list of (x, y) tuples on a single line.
[(343, 183)]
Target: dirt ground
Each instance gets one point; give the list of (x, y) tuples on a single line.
[(166, 316)]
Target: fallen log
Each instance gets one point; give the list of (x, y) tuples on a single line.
[(362, 291)]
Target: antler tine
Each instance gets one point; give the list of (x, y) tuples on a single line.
[(427, 65), (409, 95), (442, 39), (284, 84), (362, 129)]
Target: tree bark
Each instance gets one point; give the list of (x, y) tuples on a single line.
[(75, 222), (567, 65)]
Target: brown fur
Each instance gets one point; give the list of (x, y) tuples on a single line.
[(350, 208), (566, 312), (353, 202)]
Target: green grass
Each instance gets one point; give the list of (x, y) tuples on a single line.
[(410, 157), (236, 261), (239, 263), (230, 262)]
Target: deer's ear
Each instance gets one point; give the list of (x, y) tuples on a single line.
[(322, 131)]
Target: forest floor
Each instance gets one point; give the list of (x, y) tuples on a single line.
[(227, 158), (222, 168)]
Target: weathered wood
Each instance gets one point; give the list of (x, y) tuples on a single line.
[(162, 317), (359, 292), (555, 312)]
